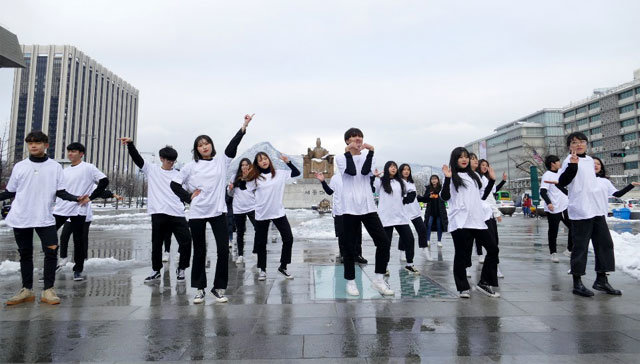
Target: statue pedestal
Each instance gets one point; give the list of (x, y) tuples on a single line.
[(304, 194)]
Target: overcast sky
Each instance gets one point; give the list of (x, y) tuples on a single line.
[(418, 77)]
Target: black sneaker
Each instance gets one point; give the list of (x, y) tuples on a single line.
[(284, 272), (155, 276), (486, 289), (217, 293), (360, 260), (411, 269), (180, 275), (77, 276)]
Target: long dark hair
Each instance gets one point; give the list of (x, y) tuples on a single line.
[(437, 188), (479, 170), (402, 166), (255, 172), (603, 171), (386, 180), (239, 172), (455, 170), (196, 154)]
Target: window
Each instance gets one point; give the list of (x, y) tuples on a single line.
[(631, 165), (596, 143), (637, 90), (626, 108), (582, 109), (625, 94), (629, 136), (595, 118), (628, 122), (597, 130), (568, 126), (632, 150), (594, 105), (569, 114), (583, 122)]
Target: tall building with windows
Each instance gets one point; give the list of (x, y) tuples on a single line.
[(610, 119), (72, 98)]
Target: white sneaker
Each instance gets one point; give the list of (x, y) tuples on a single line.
[(262, 276), (439, 244), (352, 289), (500, 275), (219, 295), (240, 259), (569, 271), (481, 259), (567, 253), (468, 274), (382, 287), (165, 257), (554, 258), (403, 257), (428, 254), (465, 294), (199, 297), (61, 263)]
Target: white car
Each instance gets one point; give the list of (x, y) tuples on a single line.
[(633, 204), (615, 203)]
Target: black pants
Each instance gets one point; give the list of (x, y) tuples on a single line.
[(198, 234), (260, 241), (421, 230), (597, 230), (167, 241), (24, 239), (163, 225), (65, 236), (554, 224), (493, 229), (338, 224), (241, 227), (463, 244), (77, 229), (374, 227), (406, 239)]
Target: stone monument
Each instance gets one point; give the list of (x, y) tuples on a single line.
[(317, 160)]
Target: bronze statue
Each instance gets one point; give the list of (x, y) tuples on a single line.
[(318, 159)]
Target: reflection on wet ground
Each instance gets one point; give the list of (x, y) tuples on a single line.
[(112, 316)]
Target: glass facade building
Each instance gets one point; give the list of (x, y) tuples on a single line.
[(72, 98)]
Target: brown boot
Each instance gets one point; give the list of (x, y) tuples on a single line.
[(49, 296), (25, 295)]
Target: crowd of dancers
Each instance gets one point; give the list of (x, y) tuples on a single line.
[(46, 197)]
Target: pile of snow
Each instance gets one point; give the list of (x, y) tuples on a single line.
[(137, 216), (627, 252), (110, 263), (103, 227), (8, 268), (317, 228)]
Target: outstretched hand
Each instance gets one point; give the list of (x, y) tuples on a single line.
[(446, 170), (125, 140), (247, 120), (492, 173), (118, 197), (320, 176), (377, 173), (284, 158), (551, 182), (635, 183), (504, 176)]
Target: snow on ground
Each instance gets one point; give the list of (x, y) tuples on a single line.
[(627, 252), (96, 264), (8, 267), (103, 227), (315, 228)]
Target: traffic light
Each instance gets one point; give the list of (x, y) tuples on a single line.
[(619, 154)]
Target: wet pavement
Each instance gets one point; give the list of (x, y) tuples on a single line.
[(113, 317)]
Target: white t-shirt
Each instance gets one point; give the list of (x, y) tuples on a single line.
[(583, 190), (357, 197), (243, 200), (491, 209), (35, 185), (606, 189), (466, 208), (269, 192), (336, 185), (390, 206), (557, 197), (412, 210), (78, 180), (209, 176), (161, 199)]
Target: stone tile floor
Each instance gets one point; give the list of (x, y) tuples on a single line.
[(114, 317)]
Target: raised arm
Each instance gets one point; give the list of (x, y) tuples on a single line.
[(133, 152), (232, 148)]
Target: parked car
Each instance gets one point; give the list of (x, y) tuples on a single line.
[(633, 204), (615, 203)]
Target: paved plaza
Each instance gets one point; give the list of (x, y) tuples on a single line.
[(113, 317)]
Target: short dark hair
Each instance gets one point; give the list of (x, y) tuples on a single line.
[(550, 159), (76, 146), (168, 153), (36, 136), (353, 132), (576, 135)]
